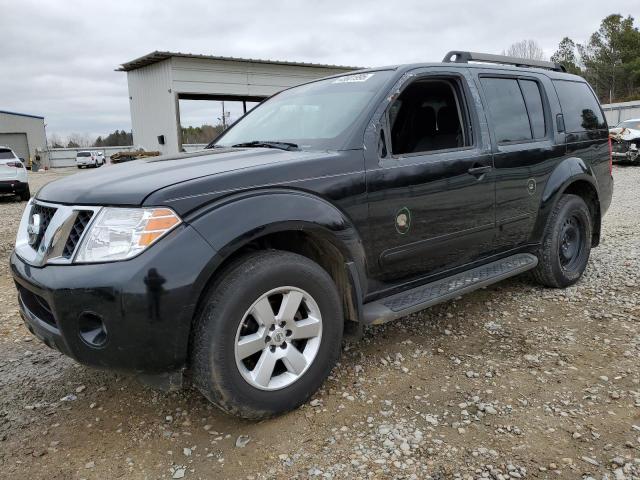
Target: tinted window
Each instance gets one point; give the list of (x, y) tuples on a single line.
[(84, 154), (507, 109), (6, 154), (580, 108), (533, 99)]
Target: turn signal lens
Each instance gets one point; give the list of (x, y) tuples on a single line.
[(122, 233)]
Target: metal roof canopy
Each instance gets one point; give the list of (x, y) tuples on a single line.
[(21, 114), (158, 56), (159, 80)]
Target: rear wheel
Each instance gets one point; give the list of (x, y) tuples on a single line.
[(268, 335), (25, 195), (566, 246)]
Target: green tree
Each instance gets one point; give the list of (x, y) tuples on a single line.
[(118, 138), (567, 56), (202, 134), (611, 59)]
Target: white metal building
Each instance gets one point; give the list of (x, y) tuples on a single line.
[(618, 112), (24, 134), (158, 81)]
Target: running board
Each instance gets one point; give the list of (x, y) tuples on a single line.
[(419, 298)]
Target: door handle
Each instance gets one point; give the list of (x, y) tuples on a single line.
[(478, 171)]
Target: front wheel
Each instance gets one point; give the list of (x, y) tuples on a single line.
[(268, 335), (566, 245)]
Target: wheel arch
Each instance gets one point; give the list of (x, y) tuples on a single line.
[(572, 176), (292, 221)]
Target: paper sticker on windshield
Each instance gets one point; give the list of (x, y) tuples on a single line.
[(358, 77)]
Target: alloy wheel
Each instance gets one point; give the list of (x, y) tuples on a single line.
[(278, 338)]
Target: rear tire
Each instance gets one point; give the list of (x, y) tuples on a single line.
[(294, 349), (25, 195), (566, 245)]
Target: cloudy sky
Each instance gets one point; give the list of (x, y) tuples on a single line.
[(58, 57)]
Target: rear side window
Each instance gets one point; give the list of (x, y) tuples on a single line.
[(6, 154), (580, 107), (507, 109), (533, 99)]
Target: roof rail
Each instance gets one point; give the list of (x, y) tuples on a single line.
[(466, 57)]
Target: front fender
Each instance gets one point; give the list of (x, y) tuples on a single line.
[(570, 170), (234, 221)]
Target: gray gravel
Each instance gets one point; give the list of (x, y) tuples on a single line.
[(513, 381)]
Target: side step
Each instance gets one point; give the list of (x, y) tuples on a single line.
[(419, 298)]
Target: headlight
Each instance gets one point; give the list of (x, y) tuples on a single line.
[(122, 233)]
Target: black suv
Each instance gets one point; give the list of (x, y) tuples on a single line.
[(347, 201)]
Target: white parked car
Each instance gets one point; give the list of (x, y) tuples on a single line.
[(86, 158), (100, 156), (625, 141), (13, 175)]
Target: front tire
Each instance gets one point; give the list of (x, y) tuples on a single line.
[(566, 245), (268, 334)]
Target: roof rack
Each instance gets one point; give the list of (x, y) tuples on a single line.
[(466, 57)]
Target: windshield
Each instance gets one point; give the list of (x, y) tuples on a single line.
[(6, 154), (313, 116), (84, 154), (633, 124)]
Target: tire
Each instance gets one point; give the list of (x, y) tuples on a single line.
[(566, 245), (223, 374), (25, 195), (79, 166)]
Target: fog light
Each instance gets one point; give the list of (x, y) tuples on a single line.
[(92, 329)]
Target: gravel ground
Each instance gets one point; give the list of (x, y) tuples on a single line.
[(512, 381)]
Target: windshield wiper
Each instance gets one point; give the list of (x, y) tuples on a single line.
[(268, 144)]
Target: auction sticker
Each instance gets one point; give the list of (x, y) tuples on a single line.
[(358, 77)]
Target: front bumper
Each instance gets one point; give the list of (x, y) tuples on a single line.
[(13, 186), (146, 304)]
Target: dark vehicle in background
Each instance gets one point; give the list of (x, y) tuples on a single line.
[(344, 202)]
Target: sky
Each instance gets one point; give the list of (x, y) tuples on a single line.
[(58, 58)]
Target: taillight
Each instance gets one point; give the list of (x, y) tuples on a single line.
[(14, 164), (610, 157)]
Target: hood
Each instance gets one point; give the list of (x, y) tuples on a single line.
[(130, 183), (624, 133)]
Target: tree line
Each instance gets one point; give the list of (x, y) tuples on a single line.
[(117, 138), (609, 60)]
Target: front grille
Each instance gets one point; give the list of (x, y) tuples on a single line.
[(79, 225), (46, 214), (36, 305)]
